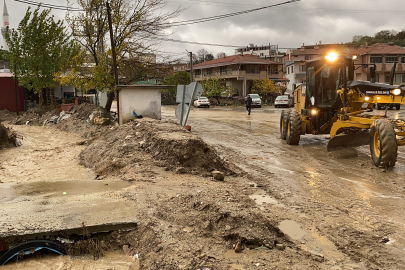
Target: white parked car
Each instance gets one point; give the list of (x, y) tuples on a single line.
[(256, 100), (202, 102), (282, 101)]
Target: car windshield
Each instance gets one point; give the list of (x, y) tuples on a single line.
[(254, 96), (282, 97), (203, 98)]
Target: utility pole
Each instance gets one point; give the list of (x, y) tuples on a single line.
[(114, 56), (191, 66), (16, 89)]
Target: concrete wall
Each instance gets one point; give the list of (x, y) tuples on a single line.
[(145, 100)]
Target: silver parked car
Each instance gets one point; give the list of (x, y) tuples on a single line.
[(202, 102), (282, 101)]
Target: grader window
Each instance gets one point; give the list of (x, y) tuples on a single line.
[(311, 81), (327, 89)]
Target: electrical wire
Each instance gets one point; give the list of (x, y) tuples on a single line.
[(304, 9), (212, 18), (33, 3), (211, 44)]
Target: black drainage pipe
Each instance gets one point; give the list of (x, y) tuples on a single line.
[(31, 247)]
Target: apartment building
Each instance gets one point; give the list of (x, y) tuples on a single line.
[(384, 56), (239, 71), (295, 59)]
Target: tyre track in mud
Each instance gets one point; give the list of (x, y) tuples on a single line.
[(340, 195)]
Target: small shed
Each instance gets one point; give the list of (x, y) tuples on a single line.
[(139, 100), (7, 93)]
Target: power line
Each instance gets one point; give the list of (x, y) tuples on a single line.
[(209, 44), (33, 3), (207, 19), (304, 9)]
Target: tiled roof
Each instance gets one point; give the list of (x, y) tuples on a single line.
[(322, 51), (380, 48), (235, 59)]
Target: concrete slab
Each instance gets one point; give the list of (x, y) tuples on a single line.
[(49, 206)]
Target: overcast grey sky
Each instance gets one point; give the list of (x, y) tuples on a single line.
[(307, 21)]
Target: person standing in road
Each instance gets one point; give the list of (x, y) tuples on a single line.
[(249, 104)]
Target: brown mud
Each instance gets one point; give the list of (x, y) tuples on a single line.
[(341, 199), (134, 149), (8, 137), (289, 207)]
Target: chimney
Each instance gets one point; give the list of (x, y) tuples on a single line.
[(366, 45)]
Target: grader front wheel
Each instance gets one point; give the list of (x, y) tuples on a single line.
[(293, 128), (383, 143), (283, 121)]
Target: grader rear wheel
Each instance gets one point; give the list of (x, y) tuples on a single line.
[(293, 128), (383, 143), (283, 122)]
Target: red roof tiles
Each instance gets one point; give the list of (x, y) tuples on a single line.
[(380, 48)]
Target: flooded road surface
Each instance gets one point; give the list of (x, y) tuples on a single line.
[(340, 197), (57, 194), (43, 188)]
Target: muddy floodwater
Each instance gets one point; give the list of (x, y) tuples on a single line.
[(340, 198), (337, 206)]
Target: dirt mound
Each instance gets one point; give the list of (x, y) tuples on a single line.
[(8, 138), (80, 122), (5, 115), (35, 116), (137, 145)]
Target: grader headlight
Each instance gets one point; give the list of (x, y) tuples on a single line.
[(396, 92), (331, 56), (367, 98), (314, 112)]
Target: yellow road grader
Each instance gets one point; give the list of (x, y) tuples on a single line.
[(332, 102)]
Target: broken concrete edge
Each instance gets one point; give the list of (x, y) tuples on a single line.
[(10, 240)]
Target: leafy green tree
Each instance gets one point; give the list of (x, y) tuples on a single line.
[(180, 78), (264, 87), (384, 36), (137, 25), (39, 49), (215, 88)]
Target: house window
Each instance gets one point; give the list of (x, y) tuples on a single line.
[(376, 59), (209, 71), (292, 70), (308, 57), (302, 68), (387, 78), (222, 69), (261, 54), (279, 60), (403, 59), (400, 78), (198, 72), (391, 59), (288, 70)]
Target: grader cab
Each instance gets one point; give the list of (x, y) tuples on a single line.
[(333, 103)]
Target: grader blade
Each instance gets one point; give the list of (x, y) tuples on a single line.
[(348, 140)]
